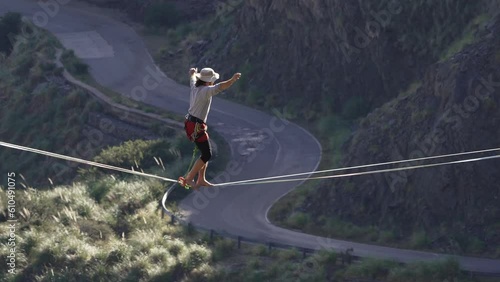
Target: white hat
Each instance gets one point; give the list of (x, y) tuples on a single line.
[(207, 75)]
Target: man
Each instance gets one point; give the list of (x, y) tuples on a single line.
[(202, 91)]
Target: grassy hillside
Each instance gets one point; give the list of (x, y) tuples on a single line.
[(70, 233)]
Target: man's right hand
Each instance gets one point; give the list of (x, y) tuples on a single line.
[(192, 71), (236, 76), (226, 84)]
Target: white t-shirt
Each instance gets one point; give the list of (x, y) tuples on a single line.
[(201, 99)]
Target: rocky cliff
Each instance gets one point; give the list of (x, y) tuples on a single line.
[(455, 109), (189, 9), (297, 53)]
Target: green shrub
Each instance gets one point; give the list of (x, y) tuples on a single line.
[(476, 245), (370, 268), (120, 253), (290, 254), (254, 97), (260, 250), (335, 131), (298, 220), (99, 189), (253, 264), (137, 153), (419, 240), (188, 230), (73, 64), (162, 15), (80, 68), (223, 248), (337, 227), (311, 269), (175, 247), (204, 272), (194, 256), (446, 270), (327, 257), (329, 124), (10, 26), (355, 107), (95, 230), (279, 270), (137, 272), (386, 236), (22, 65)]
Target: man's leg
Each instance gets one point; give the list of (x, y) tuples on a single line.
[(202, 181), (192, 173), (200, 166)]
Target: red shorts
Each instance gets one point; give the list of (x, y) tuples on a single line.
[(200, 135)]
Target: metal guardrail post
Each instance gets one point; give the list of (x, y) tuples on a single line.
[(211, 234), (348, 253), (270, 246), (239, 242), (172, 219)]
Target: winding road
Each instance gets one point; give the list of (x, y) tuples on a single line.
[(261, 144)]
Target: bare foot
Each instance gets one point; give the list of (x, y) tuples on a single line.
[(196, 186), (183, 181), (193, 185), (204, 183)]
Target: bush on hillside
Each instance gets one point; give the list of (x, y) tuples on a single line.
[(10, 26), (162, 15), (138, 153), (73, 64)]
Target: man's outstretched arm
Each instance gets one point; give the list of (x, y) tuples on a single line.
[(192, 78), (228, 83)]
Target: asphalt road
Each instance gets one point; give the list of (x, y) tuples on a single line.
[(261, 145)]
